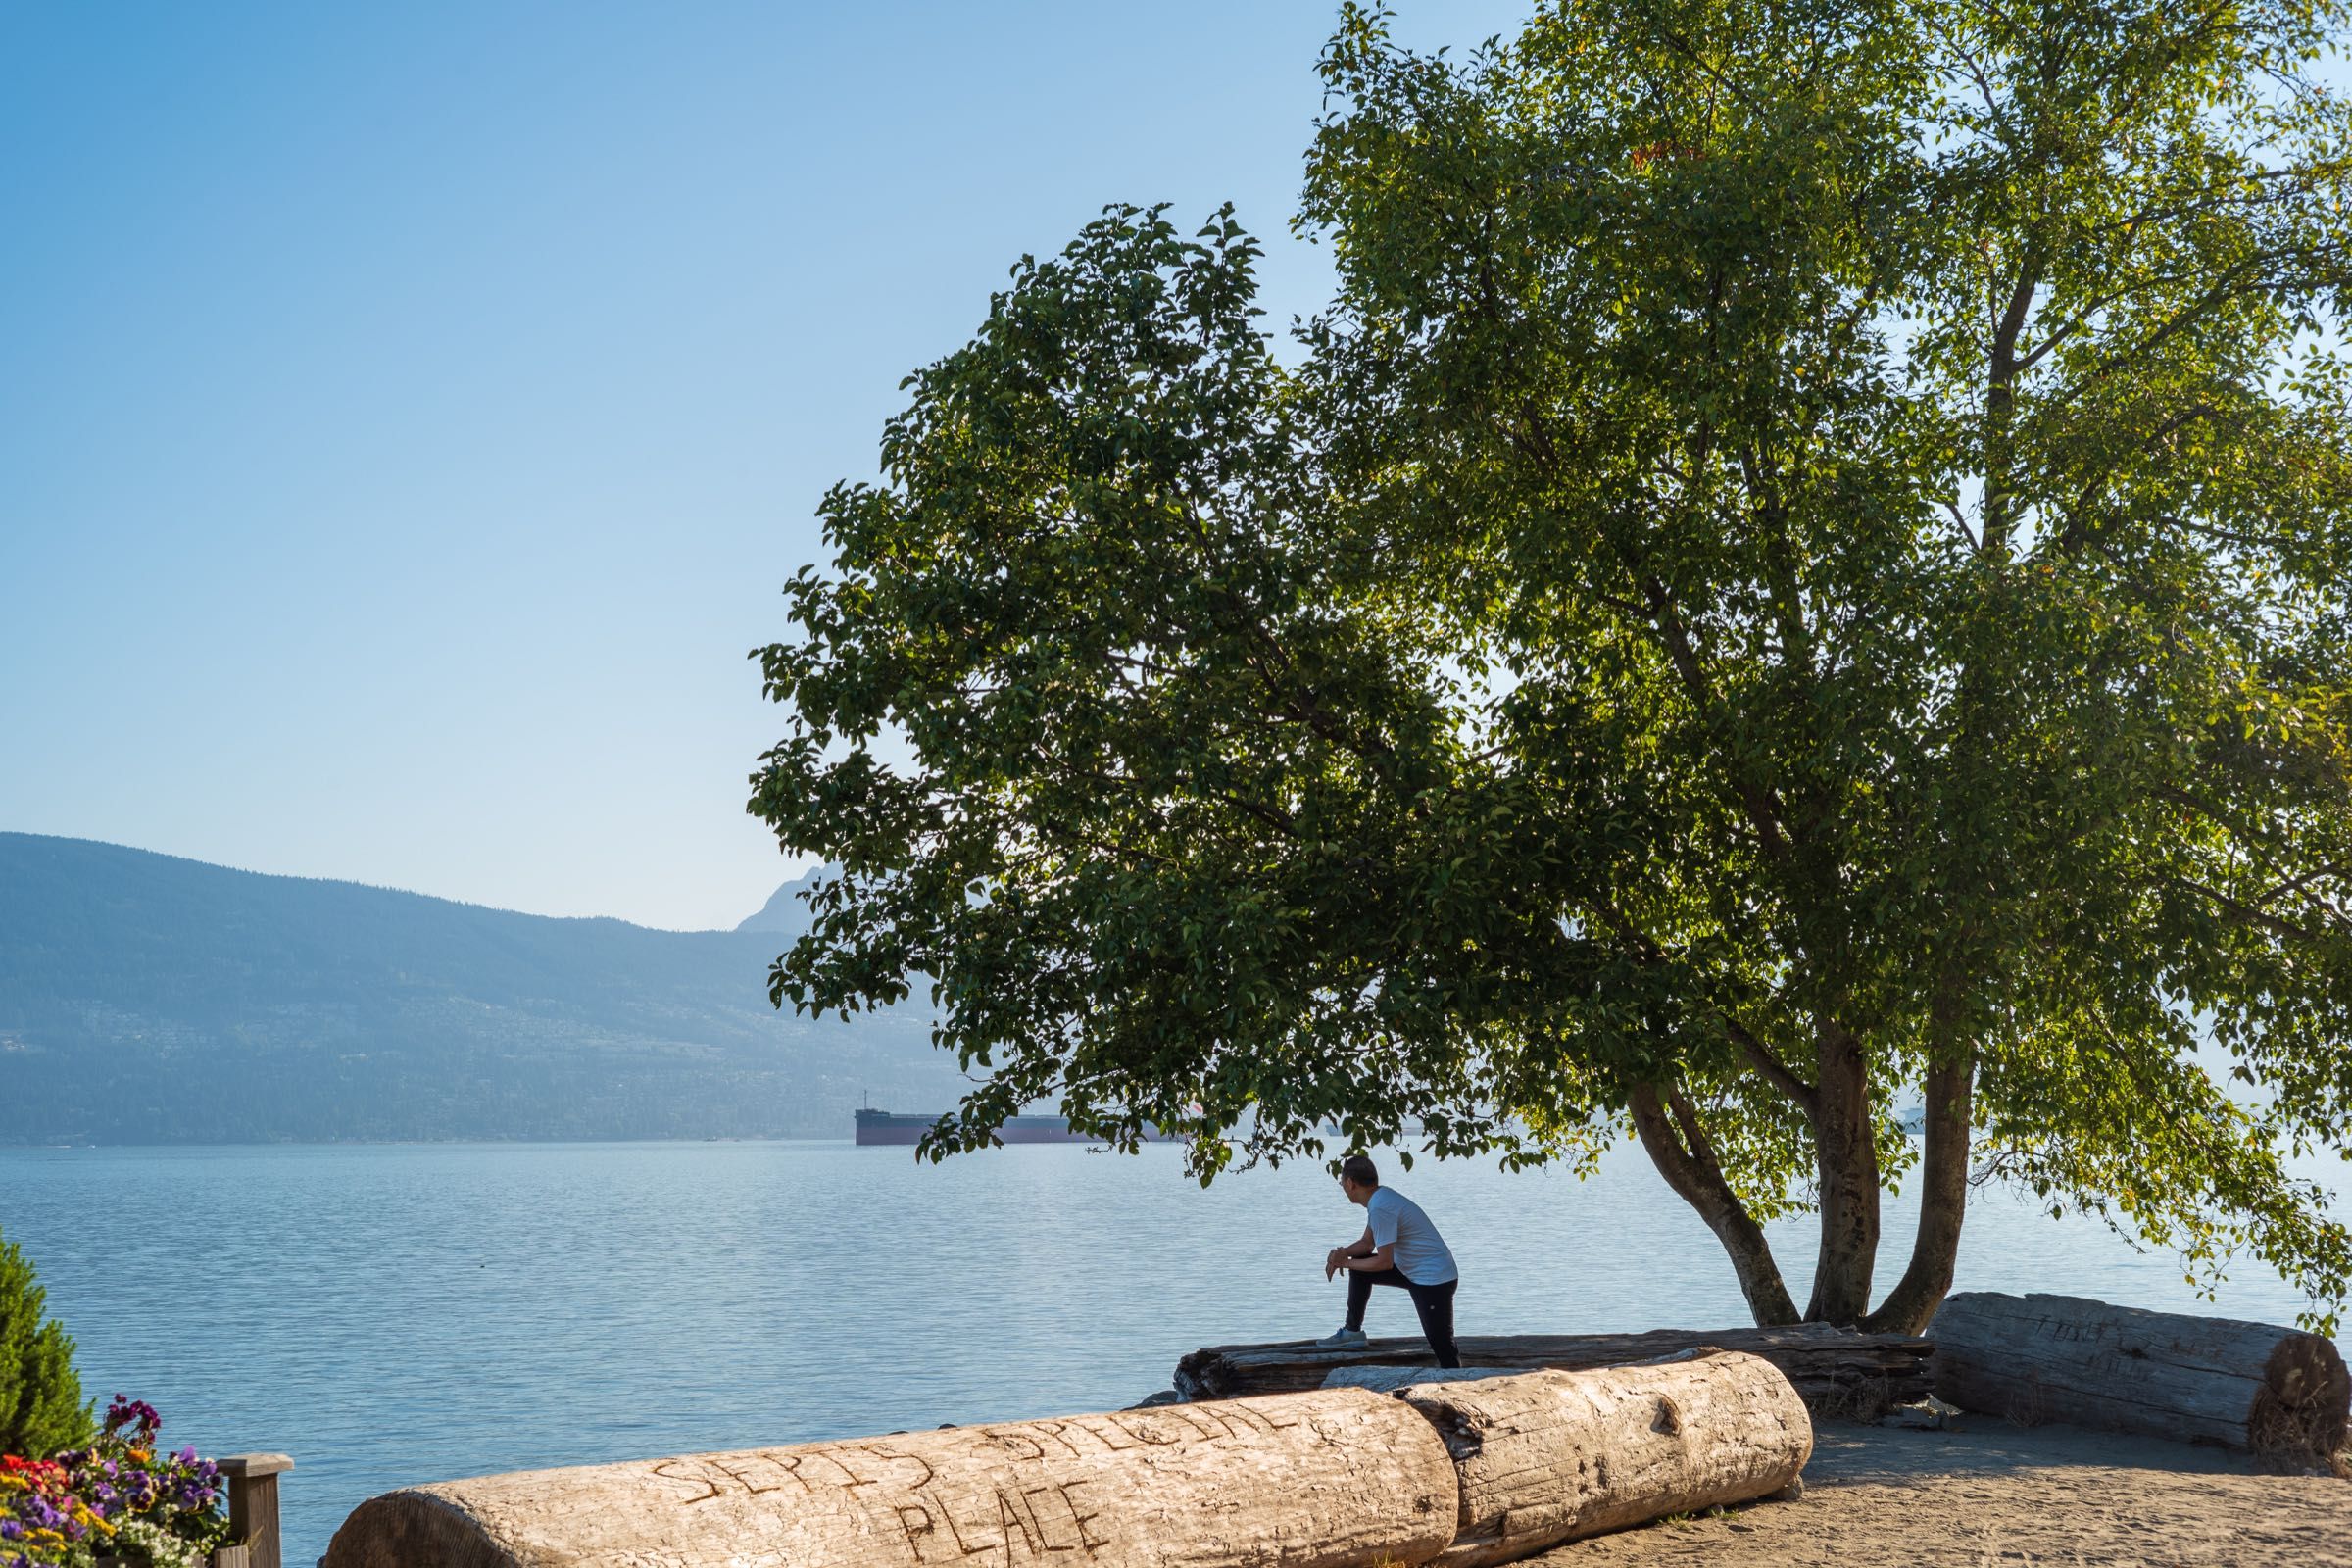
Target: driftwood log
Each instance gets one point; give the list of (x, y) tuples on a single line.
[(1835, 1371), (2218, 1381), (1341, 1480), (1545, 1457)]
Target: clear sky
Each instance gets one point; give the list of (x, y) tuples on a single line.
[(410, 413)]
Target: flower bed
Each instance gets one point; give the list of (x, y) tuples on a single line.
[(121, 1499)]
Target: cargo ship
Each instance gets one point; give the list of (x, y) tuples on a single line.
[(893, 1127)]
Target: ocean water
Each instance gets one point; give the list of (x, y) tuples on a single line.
[(397, 1314)]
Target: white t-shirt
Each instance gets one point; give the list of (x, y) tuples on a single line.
[(1421, 1254)]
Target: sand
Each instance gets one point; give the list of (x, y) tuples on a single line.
[(1988, 1492)]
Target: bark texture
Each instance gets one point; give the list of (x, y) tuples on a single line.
[(1549, 1456), (1677, 1143), (1341, 1480), (1847, 1160), (2236, 1385), (1943, 1204), (1835, 1371)]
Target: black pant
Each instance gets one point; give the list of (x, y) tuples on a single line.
[(1434, 1303)]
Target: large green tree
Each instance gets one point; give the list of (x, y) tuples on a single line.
[(1803, 570), (41, 1409)]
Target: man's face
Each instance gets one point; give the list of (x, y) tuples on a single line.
[(1355, 1194)]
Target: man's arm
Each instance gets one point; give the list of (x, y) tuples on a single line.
[(1339, 1257), (1373, 1261)]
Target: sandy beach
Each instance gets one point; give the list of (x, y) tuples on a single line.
[(1988, 1492)]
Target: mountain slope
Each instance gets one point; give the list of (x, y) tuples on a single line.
[(149, 999), (783, 915)]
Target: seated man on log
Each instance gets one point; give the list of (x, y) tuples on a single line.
[(1400, 1247)]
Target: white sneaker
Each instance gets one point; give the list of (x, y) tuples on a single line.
[(1343, 1339)]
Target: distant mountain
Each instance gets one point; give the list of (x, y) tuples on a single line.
[(147, 998), (784, 915)]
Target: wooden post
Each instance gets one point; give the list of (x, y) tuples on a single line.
[(253, 1504)]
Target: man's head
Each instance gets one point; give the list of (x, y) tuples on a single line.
[(1358, 1176)]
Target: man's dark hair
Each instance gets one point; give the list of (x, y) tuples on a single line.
[(1359, 1169)]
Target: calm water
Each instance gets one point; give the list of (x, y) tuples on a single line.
[(392, 1315)]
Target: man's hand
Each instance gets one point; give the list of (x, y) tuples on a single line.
[(1334, 1260)]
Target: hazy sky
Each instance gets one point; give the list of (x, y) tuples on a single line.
[(410, 413)]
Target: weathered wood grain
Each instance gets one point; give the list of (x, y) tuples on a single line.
[(253, 1506), (2222, 1381), (1545, 1457), (1832, 1370), (1344, 1479)]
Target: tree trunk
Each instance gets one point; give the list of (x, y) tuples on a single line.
[(1848, 1164), (1942, 1204), (2237, 1384), (1552, 1456), (1338, 1480), (1677, 1147), (1832, 1370)]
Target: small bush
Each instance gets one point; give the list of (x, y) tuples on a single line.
[(41, 1409)]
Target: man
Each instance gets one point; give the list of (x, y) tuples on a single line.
[(1398, 1247)]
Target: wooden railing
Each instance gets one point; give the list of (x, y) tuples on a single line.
[(253, 1510)]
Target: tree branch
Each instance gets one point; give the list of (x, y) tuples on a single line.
[(1775, 1071), (1698, 1181), (2248, 914)]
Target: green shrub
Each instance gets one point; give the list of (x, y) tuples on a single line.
[(41, 1409)]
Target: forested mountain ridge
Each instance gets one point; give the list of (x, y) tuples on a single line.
[(147, 998)]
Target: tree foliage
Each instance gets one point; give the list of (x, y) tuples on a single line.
[(1804, 567), (41, 1409)]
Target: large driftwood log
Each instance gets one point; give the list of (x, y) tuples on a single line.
[(1545, 1457), (1339, 1480), (1835, 1371), (2210, 1380)]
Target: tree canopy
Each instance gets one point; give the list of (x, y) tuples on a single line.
[(1803, 570)]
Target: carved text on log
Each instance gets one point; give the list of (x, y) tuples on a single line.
[(1362, 1477)]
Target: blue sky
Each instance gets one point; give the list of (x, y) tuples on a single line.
[(410, 413)]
